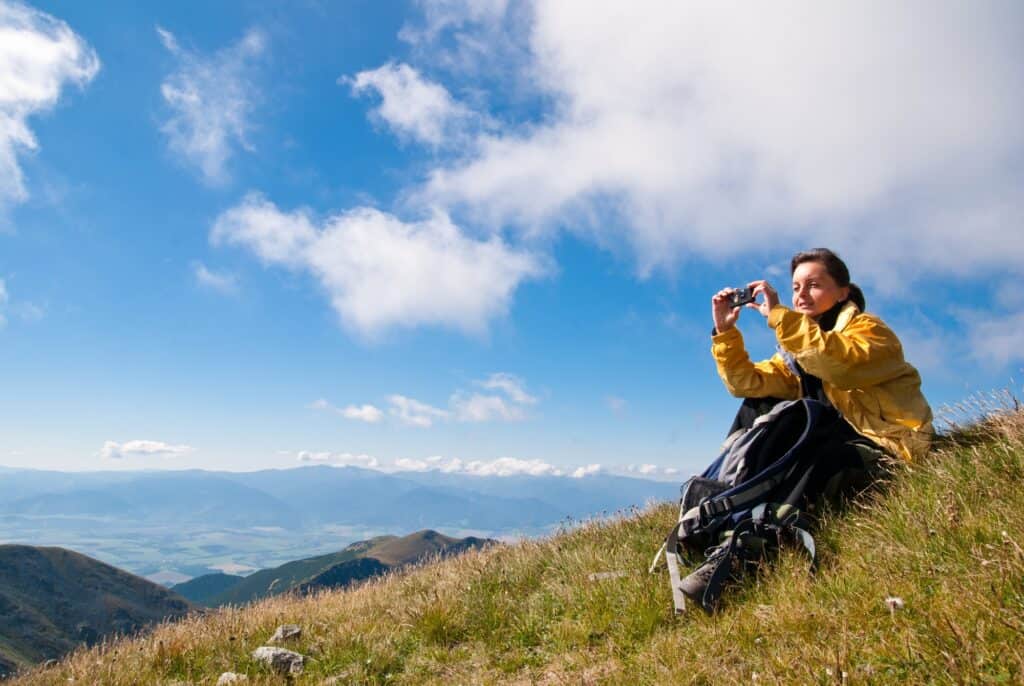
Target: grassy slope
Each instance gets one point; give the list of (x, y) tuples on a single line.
[(947, 541)]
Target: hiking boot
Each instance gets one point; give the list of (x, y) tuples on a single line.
[(704, 584)]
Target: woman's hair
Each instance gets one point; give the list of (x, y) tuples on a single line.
[(835, 267)]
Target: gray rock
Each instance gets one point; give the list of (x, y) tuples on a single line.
[(286, 632), (231, 678), (280, 660)]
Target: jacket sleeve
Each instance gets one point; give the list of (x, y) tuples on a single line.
[(745, 379), (866, 352)]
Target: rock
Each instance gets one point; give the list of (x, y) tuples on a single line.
[(286, 632), (231, 678), (280, 660)]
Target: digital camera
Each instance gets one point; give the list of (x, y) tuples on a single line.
[(741, 296)]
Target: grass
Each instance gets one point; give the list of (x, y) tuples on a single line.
[(945, 537)]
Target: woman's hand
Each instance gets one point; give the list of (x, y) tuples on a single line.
[(722, 311), (770, 299)]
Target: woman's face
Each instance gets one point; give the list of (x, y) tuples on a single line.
[(814, 290)]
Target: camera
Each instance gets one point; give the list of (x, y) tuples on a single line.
[(741, 296)]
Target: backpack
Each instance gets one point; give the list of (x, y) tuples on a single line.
[(744, 506)]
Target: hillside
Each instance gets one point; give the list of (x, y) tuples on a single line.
[(202, 588), (358, 561), (949, 547), (52, 600)]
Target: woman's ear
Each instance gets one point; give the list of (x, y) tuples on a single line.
[(844, 294)]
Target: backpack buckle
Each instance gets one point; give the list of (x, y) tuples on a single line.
[(709, 509)]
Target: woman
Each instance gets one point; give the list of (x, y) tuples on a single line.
[(829, 348), (834, 352)]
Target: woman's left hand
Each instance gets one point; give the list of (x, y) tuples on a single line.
[(770, 299)]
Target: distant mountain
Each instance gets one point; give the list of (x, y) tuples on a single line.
[(202, 588), (356, 562), (168, 525), (311, 496), (181, 497), (53, 600)]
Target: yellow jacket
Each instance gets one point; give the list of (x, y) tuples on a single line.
[(861, 367)]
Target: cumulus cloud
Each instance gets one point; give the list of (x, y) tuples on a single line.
[(439, 15), (476, 407), (339, 459), (509, 384), (221, 282), (211, 99), (995, 341), (898, 142), (479, 407), (587, 470), (362, 413), (499, 467), (412, 106), (463, 406), (39, 56), (414, 413), (381, 272), (502, 466), (650, 471), (112, 450)]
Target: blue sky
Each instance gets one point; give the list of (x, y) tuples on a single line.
[(478, 235)]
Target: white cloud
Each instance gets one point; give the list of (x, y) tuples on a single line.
[(511, 466), (499, 467), (406, 464), (482, 37), (502, 466), (112, 450), (414, 413), (211, 100), (380, 272), (39, 55), (511, 385), (412, 106), (362, 413), (476, 407), (217, 281), (995, 341), (648, 470), (589, 469), (708, 124), (443, 14), (341, 459)]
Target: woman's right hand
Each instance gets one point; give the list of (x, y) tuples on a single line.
[(722, 311)]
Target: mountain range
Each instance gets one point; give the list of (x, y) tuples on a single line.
[(171, 526), (303, 496)]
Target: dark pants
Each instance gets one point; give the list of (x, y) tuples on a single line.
[(845, 462)]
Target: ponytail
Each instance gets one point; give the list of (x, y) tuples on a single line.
[(857, 296)]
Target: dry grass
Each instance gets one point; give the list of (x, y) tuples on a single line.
[(945, 538)]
